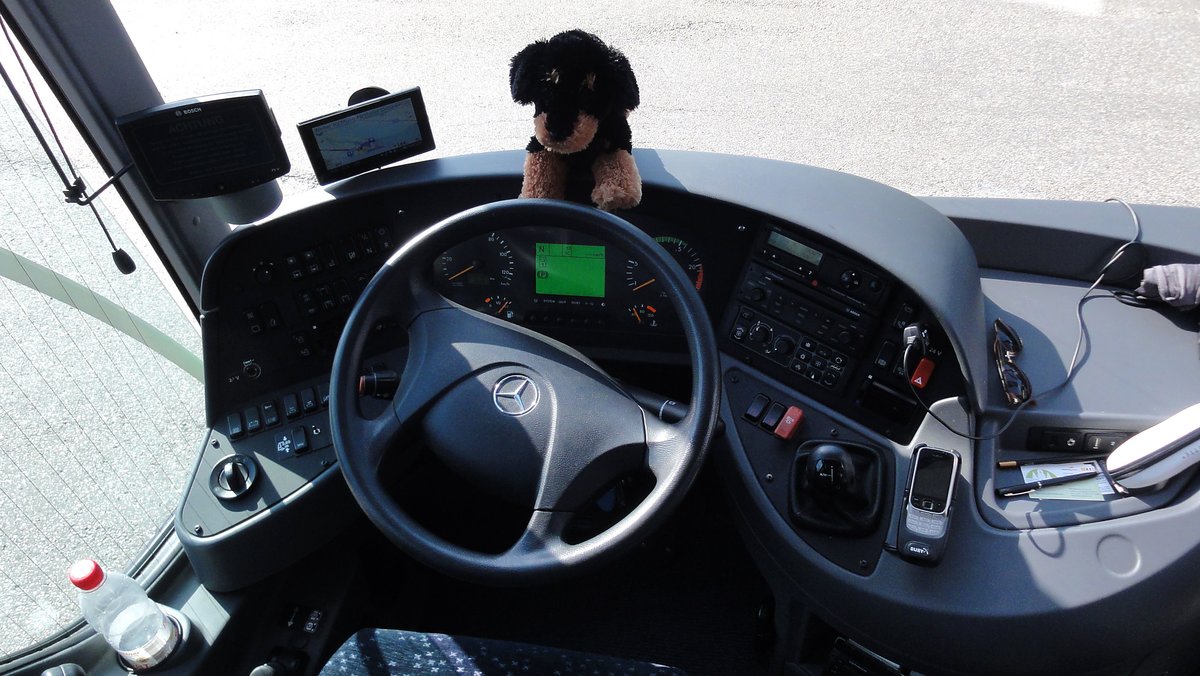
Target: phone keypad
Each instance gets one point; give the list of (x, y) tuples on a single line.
[(923, 523)]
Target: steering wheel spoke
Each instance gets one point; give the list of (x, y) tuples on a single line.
[(542, 537), (378, 435), (666, 445)]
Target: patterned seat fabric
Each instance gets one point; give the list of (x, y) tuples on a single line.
[(375, 652)]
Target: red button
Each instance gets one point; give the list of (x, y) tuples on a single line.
[(792, 419), (921, 374)]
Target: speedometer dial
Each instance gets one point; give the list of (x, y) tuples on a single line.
[(639, 280), (484, 262)]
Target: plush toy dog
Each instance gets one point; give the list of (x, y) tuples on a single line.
[(582, 91)]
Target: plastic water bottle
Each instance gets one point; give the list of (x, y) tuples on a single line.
[(119, 610)]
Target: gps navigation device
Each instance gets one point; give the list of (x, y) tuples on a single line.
[(367, 136)]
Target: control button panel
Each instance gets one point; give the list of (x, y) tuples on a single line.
[(777, 297), (832, 327), (254, 419), (244, 474), (280, 317), (805, 355)]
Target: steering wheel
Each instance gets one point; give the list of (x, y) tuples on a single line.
[(519, 415)]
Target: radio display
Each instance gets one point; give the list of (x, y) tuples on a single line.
[(569, 270), (804, 253)]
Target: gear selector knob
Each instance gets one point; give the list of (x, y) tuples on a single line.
[(830, 469)]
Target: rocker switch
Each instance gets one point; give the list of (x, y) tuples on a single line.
[(773, 416), (757, 408), (793, 418)]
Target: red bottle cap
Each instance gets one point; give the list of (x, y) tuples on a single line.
[(86, 574)]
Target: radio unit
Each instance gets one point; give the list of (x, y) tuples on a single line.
[(809, 311), (828, 273)]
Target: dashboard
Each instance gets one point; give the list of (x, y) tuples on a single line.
[(782, 300), (809, 278)]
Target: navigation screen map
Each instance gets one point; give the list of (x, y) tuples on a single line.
[(569, 270), (366, 134)]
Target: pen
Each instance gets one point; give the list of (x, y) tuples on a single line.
[(1022, 489), (1012, 464)]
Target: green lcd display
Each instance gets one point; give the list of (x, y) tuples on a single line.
[(569, 270)]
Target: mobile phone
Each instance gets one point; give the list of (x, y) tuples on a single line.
[(928, 502)]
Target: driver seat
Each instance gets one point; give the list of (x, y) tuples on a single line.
[(392, 652)]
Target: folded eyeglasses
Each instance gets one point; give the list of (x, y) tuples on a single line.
[(1013, 380)]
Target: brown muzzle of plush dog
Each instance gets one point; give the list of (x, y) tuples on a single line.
[(581, 134)]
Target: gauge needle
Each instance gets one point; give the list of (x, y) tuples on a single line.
[(643, 285), (460, 273), (634, 311), (501, 310)]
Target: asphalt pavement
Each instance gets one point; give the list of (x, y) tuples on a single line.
[(1059, 99)]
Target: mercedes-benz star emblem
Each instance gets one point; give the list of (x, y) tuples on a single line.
[(515, 395)]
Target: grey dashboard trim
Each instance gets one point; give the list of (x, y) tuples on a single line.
[(1025, 235)]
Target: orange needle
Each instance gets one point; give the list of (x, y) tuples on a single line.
[(633, 311), (639, 286), (460, 273), (503, 306)]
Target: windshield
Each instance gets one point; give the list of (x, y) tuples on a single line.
[(1059, 99)]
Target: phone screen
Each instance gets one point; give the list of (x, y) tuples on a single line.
[(931, 481)]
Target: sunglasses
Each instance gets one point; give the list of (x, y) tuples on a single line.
[(1013, 380)]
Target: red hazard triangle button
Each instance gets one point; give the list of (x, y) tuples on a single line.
[(922, 374)]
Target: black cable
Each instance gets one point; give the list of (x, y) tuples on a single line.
[(1012, 418), (74, 190), (1071, 369), (1134, 299), (12, 88), (41, 106)]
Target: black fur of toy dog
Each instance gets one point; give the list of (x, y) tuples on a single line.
[(582, 92)]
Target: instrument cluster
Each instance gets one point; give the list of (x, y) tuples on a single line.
[(550, 277)]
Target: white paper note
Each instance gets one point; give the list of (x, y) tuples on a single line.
[(1092, 489)]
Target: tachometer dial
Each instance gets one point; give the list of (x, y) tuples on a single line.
[(639, 279), (486, 262)]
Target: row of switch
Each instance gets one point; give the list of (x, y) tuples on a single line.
[(362, 244), (255, 419), (1070, 440), (781, 420)]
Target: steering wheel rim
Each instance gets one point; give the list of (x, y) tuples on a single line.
[(403, 289)]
